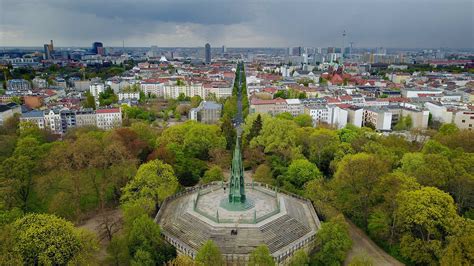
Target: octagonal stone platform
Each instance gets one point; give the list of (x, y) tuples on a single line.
[(284, 222)]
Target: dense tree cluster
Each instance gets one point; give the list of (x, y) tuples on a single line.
[(373, 179)]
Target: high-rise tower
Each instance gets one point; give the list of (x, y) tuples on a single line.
[(208, 53)]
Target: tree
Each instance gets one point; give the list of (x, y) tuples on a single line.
[(263, 174), (448, 129), (300, 258), (154, 180), (146, 244), (426, 217), (300, 172), (47, 239), (213, 174), (107, 97), (277, 136), (333, 241), (285, 115), (354, 181), (429, 169), (304, 120), (181, 260), (460, 249), (195, 101), (255, 129), (261, 256), (89, 102), (118, 251), (228, 131), (209, 254), (382, 221)]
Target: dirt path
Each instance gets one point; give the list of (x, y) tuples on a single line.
[(92, 224), (363, 245)]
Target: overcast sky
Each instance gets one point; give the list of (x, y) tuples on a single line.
[(257, 23)]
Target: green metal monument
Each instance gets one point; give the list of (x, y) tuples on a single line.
[(237, 200), (237, 182)]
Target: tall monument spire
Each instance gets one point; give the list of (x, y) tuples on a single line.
[(237, 183)]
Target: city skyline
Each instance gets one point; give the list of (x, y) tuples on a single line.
[(414, 24)]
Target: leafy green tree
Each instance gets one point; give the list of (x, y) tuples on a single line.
[(213, 174), (299, 173), (142, 257), (47, 239), (354, 181), (107, 97), (118, 251), (303, 120), (181, 260), (320, 146), (333, 241), (209, 254), (230, 107), (145, 244), (426, 217), (154, 180), (429, 169), (277, 136), (228, 131), (261, 256), (460, 248), (404, 123), (195, 101), (448, 129), (263, 174), (381, 223), (255, 129), (89, 102), (300, 258), (285, 115)]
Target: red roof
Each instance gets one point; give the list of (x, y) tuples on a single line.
[(256, 101), (108, 111), (332, 100), (344, 105), (336, 79), (345, 98)]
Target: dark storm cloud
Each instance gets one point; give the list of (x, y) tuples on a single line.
[(180, 11), (369, 23)]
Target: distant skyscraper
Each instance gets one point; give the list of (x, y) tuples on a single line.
[(48, 51), (224, 49), (95, 47), (208, 53)]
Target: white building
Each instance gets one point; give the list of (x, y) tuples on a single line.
[(294, 107), (129, 96), (464, 119), (439, 112), (414, 93), (96, 88), (189, 90), (355, 116), (35, 117), (380, 118), (52, 120), (8, 110), (108, 118), (38, 82), (86, 117), (152, 88), (329, 114)]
